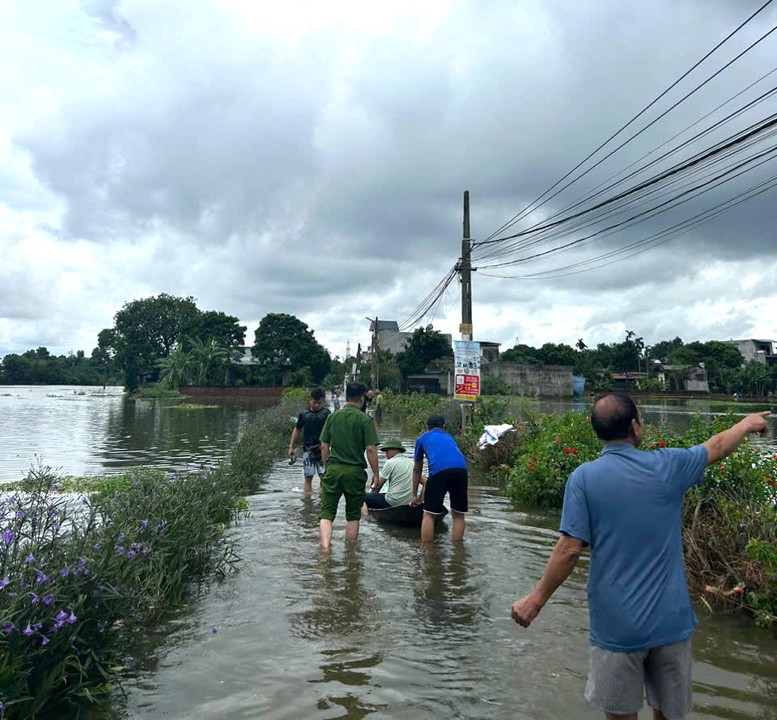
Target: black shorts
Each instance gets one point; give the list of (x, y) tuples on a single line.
[(376, 501), (452, 481)]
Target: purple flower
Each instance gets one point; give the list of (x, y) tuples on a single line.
[(30, 559), (97, 546), (8, 628), (143, 524), (20, 514), (82, 560), (47, 599), (28, 630), (72, 618), (56, 487), (4, 582), (40, 576), (8, 537), (119, 550), (34, 599), (84, 501), (213, 629), (44, 640), (64, 572), (130, 554)]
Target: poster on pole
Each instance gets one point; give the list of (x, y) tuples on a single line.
[(466, 359)]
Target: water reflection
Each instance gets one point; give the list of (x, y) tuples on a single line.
[(445, 600)]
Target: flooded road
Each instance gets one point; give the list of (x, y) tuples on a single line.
[(396, 631)]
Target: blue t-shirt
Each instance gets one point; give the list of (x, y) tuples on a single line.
[(627, 506), (441, 451)]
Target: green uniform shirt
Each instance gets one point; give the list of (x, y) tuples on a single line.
[(348, 432)]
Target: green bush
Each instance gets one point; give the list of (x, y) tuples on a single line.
[(83, 575), (87, 566), (552, 446), (729, 519)]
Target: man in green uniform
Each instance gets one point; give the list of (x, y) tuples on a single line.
[(348, 437)]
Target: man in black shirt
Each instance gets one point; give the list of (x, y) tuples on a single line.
[(309, 425)]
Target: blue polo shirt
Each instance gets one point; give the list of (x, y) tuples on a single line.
[(441, 451), (627, 505)]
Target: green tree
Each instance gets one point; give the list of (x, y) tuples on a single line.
[(284, 343), (557, 354), (425, 345), (521, 353), (175, 369), (146, 331), (207, 355)]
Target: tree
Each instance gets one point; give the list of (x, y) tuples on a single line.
[(521, 353), (557, 354), (425, 345), (284, 343), (146, 331), (661, 350)]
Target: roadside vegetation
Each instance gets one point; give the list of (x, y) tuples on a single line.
[(729, 520), (89, 567)]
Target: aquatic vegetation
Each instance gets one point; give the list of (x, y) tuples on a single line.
[(89, 567)]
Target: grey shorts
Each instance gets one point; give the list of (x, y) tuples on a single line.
[(617, 681), (312, 463)]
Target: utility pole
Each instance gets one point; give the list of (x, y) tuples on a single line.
[(465, 273), (375, 364)]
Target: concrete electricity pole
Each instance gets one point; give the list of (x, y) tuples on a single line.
[(465, 273)]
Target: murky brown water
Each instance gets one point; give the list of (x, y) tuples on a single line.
[(396, 631), (388, 629)]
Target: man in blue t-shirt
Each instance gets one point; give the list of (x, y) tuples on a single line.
[(627, 506), (447, 474)]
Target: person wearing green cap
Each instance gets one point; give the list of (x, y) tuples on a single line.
[(394, 484)]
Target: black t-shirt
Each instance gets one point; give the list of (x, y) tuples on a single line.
[(311, 424)]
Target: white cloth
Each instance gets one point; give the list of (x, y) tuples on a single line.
[(492, 433)]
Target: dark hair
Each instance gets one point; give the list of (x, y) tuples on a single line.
[(612, 415), (354, 390), (317, 393), (436, 421)]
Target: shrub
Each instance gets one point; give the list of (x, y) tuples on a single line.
[(552, 446), (82, 575), (88, 565)]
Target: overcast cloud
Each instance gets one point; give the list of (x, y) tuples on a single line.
[(310, 158)]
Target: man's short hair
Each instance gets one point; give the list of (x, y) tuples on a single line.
[(317, 393), (354, 390), (612, 415), (436, 421)]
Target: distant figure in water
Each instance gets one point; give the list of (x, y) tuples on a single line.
[(335, 400), (626, 505), (349, 442), (309, 424)]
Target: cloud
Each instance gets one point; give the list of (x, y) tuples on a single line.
[(311, 159)]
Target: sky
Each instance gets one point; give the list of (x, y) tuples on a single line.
[(310, 158)]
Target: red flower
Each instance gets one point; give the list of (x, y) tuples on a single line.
[(532, 465), (661, 443), (574, 452)]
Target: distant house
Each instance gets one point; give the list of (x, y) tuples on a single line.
[(391, 338), (762, 351), (687, 378)]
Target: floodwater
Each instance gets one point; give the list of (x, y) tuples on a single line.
[(388, 628), (394, 630), (95, 430)]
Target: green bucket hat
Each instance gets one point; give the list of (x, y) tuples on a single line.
[(392, 445)]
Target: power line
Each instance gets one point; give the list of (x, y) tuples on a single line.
[(534, 204)]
